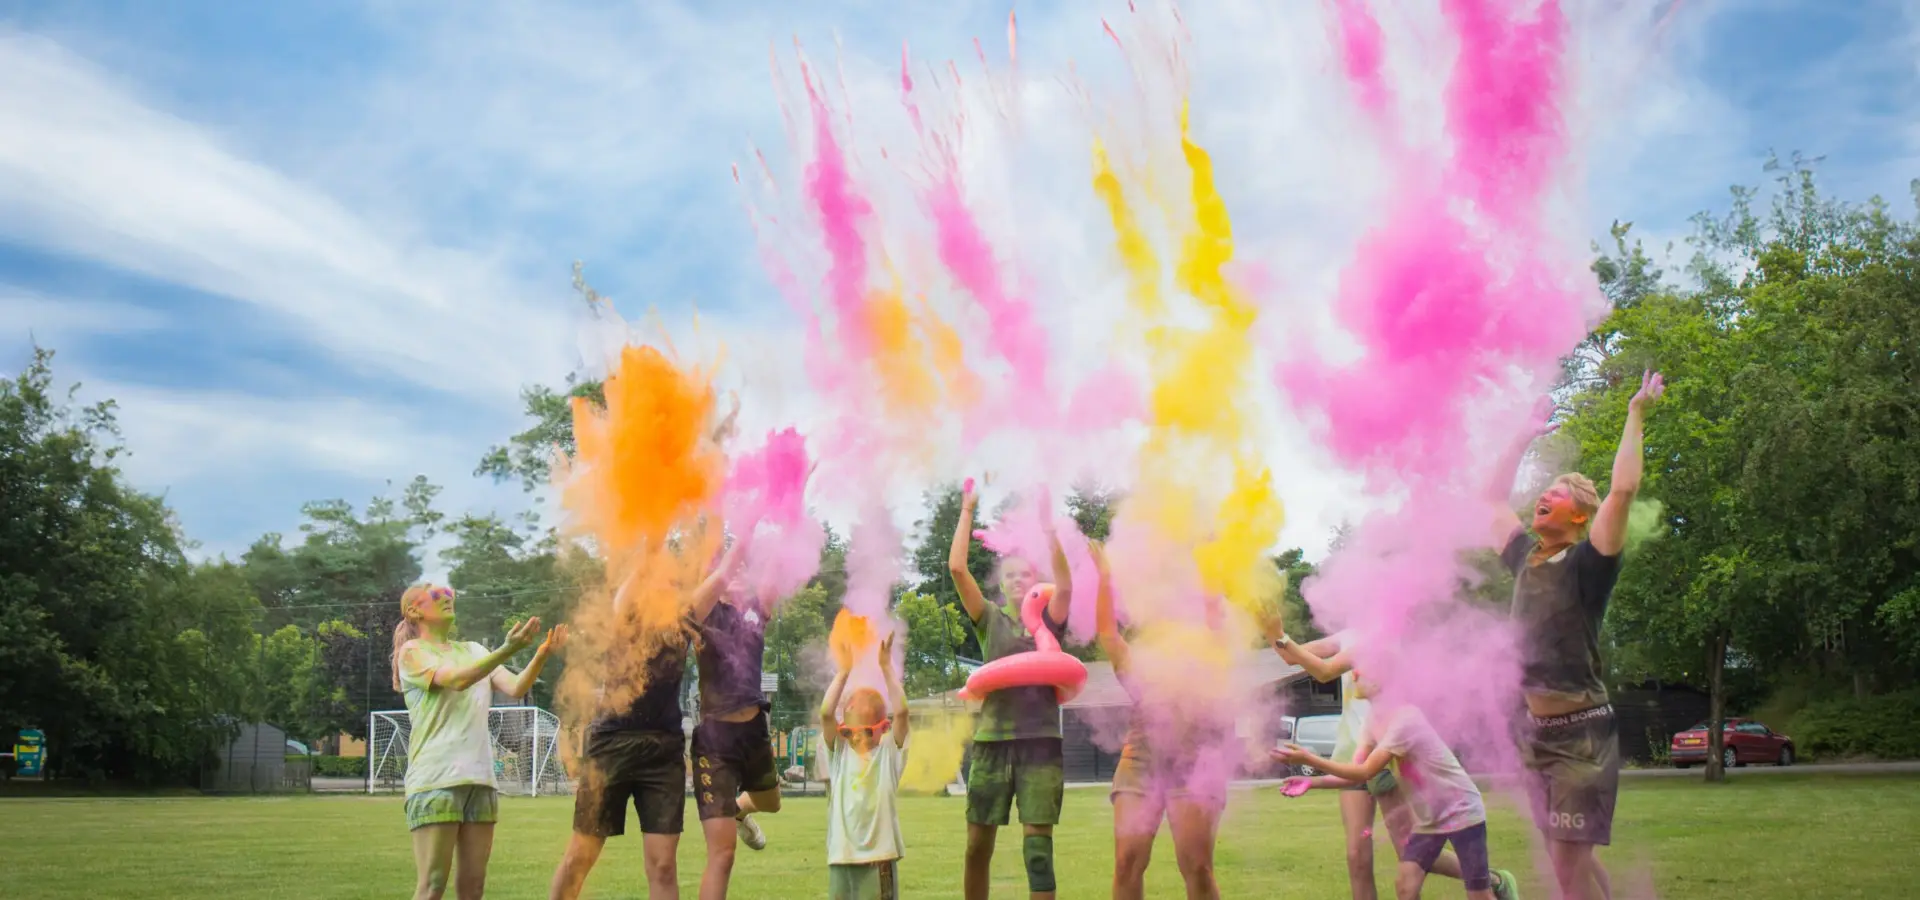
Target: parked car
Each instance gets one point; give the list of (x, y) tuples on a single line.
[(1315, 733), (1743, 741)]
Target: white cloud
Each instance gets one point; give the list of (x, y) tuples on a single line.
[(410, 238), (52, 317)]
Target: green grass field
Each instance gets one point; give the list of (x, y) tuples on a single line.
[(1783, 836)]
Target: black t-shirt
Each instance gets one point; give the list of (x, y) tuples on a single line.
[(1559, 605), (733, 642), (656, 705)]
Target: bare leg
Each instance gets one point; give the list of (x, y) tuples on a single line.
[(1407, 881), (979, 863), (663, 873), (583, 850), (1356, 818), (1578, 871), (1136, 819), (1194, 826), (760, 801), (1042, 830), (472, 849), (433, 859), (723, 836)]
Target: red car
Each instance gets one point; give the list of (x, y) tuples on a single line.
[(1743, 742)]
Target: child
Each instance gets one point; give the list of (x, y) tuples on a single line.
[(1162, 777), (448, 687), (734, 774), (1327, 659), (866, 752), (1442, 802), (1017, 754)]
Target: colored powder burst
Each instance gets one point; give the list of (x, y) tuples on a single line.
[(939, 746), (768, 486), (644, 472), (1646, 522)]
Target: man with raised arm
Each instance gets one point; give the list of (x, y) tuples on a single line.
[(1564, 572)]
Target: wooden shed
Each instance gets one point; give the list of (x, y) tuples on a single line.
[(254, 761)]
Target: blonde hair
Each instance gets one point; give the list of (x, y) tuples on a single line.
[(867, 704), (409, 626), (1580, 489)]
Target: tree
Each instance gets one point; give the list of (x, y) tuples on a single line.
[(935, 632), (794, 634), (1092, 507), (930, 556)]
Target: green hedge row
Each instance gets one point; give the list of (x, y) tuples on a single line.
[(1882, 727), (338, 766)]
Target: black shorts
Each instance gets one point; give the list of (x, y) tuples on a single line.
[(729, 758), (1469, 843), (648, 766), (1575, 763)]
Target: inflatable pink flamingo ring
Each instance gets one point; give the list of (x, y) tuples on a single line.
[(1047, 665)]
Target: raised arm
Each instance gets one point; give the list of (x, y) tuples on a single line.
[(1062, 602), (830, 704), (1323, 669), (1106, 627), (896, 694), (976, 605), (518, 685), (1502, 520), (708, 593), (1609, 531), (455, 677)]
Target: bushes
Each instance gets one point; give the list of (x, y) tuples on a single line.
[(337, 766), (1883, 727)]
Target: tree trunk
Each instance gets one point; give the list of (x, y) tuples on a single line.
[(1716, 709)]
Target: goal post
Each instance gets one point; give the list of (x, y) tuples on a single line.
[(526, 750)]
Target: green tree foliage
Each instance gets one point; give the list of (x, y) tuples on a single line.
[(935, 534), (936, 633), (796, 637)]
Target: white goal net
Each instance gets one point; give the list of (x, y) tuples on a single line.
[(526, 750)]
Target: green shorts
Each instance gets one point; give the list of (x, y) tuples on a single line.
[(459, 804), (1575, 762), (1033, 770), (864, 881)]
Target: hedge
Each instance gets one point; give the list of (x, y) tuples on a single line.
[(338, 766), (1882, 727)]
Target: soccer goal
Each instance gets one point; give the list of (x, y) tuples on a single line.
[(526, 750)]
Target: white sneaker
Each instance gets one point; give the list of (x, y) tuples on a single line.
[(750, 833)]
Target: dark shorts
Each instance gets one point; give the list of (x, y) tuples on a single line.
[(1162, 777), (1574, 761), (1030, 769), (648, 766), (728, 758), (1469, 843)]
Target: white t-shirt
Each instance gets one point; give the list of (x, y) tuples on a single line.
[(449, 744), (863, 825), (1353, 710), (1438, 791)]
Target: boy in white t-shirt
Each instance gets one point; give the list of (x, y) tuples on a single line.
[(1441, 798), (866, 752)]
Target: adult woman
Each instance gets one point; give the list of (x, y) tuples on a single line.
[(448, 686)]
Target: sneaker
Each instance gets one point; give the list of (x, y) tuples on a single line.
[(752, 836), (1505, 887)]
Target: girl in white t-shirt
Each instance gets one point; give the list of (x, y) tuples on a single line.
[(866, 752), (448, 686)]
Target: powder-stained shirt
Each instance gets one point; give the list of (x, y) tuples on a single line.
[(448, 744), (863, 825), (733, 641), (1559, 604), (655, 705), (1018, 712), (1352, 727), (1440, 794)]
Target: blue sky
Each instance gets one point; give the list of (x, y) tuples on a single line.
[(315, 247)]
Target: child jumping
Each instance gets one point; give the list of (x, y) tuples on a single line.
[(866, 752), (1017, 754), (1442, 802), (734, 774), (448, 687), (1327, 659)]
